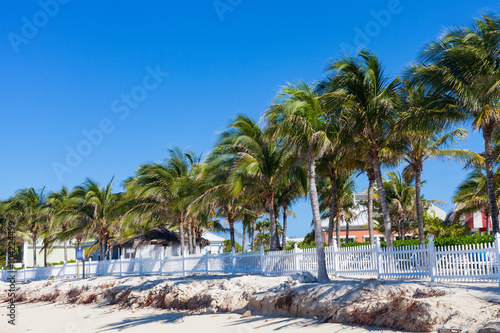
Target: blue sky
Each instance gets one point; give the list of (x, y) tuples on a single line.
[(93, 88)]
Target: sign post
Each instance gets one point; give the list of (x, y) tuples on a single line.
[(80, 255)]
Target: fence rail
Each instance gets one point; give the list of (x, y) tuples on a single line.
[(474, 262)]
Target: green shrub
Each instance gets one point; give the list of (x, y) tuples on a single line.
[(446, 241), (226, 247)]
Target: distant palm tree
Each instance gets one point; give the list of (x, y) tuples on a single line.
[(472, 196), (27, 205), (259, 163), (464, 65), (162, 192), (99, 211), (301, 125)]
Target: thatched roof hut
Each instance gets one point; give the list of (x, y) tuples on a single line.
[(159, 236)]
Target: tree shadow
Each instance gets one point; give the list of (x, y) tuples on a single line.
[(163, 318)]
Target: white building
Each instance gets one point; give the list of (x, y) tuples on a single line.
[(216, 243)]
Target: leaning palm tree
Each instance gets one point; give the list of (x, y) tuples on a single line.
[(301, 124), (27, 205), (464, 65), (368, 102)]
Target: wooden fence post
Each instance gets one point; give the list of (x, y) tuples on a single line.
[(140, 264), (262, 260), (64, 269), (378, 253), (431, 254)]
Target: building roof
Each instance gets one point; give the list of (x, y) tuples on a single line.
[(212, 238), (160, 236)]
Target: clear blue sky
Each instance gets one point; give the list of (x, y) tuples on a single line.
[(68, 68)]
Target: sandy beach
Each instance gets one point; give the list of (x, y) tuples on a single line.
[(251, 303), (86, 318)]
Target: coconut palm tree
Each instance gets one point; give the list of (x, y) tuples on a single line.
[(422, 137), (161, 192), (289, 191), (472, 196), (464, 65), (301, 124), (259, 162), (27, 204), (99, 211), (59, 204), (368, 101)]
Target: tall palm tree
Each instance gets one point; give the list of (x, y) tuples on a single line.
[(27, 205), (368, 100), (288, 191), (301, 125), (464, 65), (422, 137)]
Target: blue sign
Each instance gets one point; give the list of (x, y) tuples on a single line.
[(79, 254)]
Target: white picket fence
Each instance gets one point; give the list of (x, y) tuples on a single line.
[(476, 262)]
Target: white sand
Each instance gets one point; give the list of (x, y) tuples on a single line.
[(49, 318), (468, 306)]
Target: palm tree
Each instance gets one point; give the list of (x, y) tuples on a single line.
[(99, 211), (344, 198), (422, 139), (368, 101), (27, 205), (162, 192), (288, 191), (472, 196), (464, 65), (259, 162), (301, 125), (59, 204)]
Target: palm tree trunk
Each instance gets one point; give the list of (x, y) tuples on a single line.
[(346, 232), (383, 199), (489, 178), (181, 232), (45, 245), (272, 220), (420, 219), (254, 226), (313, 194), (333, 207), (243, 241), (101, 252), (285, 215), (371, 181), (230, 220), (190, 237), (34, 249), (193, 233), (487, 215), (337, 228)]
